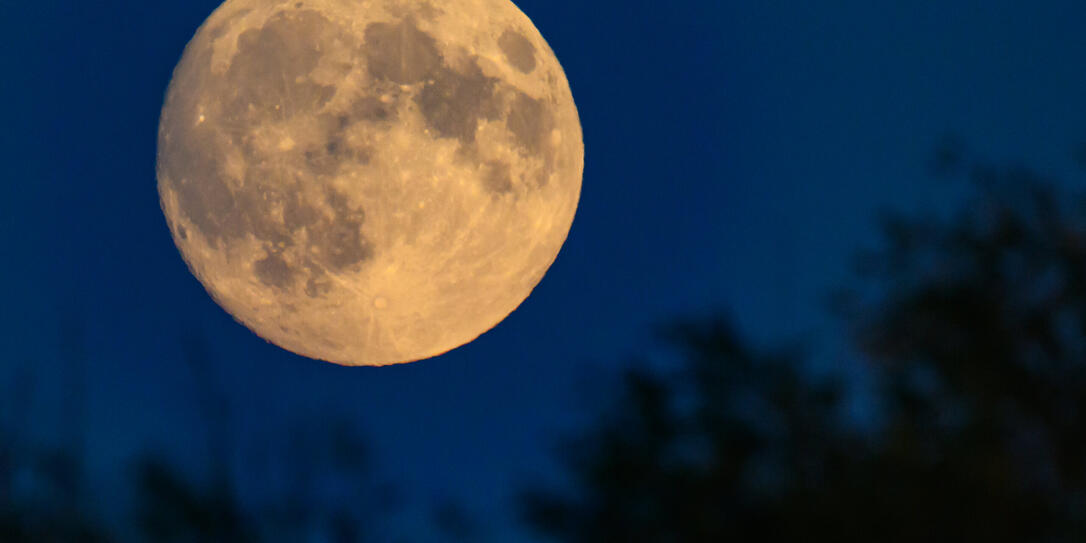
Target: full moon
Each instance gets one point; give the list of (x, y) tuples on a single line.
[(369, 182)]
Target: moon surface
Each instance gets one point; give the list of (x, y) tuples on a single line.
[(369, 182)]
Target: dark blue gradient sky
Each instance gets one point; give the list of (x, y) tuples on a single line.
[(736, 155)]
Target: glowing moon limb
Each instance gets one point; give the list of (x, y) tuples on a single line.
[(369, 183)]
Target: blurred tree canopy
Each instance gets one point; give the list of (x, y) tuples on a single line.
[(973, 330), (327, 490)]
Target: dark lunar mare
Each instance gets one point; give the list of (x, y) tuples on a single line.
[(519, 52), (267, 82), (452, 100)]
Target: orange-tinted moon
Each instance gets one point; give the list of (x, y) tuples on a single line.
[(369, 182)]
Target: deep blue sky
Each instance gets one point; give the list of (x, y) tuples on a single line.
[(736, 155)]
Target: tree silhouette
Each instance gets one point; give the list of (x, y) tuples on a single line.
[(42, 495), (980, 338), (707, 452), (331, 492), (974, 328), (332, 495), (173, 510)]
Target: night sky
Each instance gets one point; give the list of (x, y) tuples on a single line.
[(736, 155)]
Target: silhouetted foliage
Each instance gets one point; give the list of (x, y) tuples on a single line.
[(329, 490), (712, 450), (455, 523), (171, 510), (974, 329), (35, 502), (42, 498), (331, 496), (981, 342)]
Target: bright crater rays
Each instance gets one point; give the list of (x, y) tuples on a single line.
[(369, 183)]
